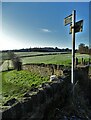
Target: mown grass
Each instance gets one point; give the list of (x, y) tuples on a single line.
[(4, 55), (63, 59), (16, 83), (31, 53)]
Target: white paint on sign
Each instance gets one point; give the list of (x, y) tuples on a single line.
[(68, 20)]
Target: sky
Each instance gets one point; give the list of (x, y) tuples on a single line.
[(41, 24), (45, 0)]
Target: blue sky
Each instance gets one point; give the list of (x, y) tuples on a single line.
[(28, 24), (45, 0)]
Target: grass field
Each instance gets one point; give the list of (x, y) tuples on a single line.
[(31, 53), (4, 55), (16, 83), (63, 59)]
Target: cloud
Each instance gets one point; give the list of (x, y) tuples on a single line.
[(45, 30)]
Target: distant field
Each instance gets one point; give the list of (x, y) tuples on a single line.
[(63, 59), (41, 57), (31, 53), (22, 54), (48, 59)]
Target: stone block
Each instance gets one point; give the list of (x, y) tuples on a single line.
[(48, 92), (26, 106), (41, 97), (13, 113)]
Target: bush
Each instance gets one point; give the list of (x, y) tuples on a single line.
[(15, 60)]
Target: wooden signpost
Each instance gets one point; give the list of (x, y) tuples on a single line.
[(74, 28), (78, 27)]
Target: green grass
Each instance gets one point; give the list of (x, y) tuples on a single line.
[(4, 55), (48, 59), (0, 87), (30, 53), (63, 59), (16, 83)]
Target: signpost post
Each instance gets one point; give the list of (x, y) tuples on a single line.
[(73, 46), (74, 27)]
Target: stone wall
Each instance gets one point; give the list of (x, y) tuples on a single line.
[(37, 102), (47, 69), (82, 75), (81, 71)]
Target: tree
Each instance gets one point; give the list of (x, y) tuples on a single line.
[(17, 64), (81, 48), (86, 49), (90, 51)]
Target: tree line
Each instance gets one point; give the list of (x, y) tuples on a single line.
[(83, 49), (40, 49)]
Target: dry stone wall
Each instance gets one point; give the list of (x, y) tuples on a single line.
[(46, 69), (36, 103)]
